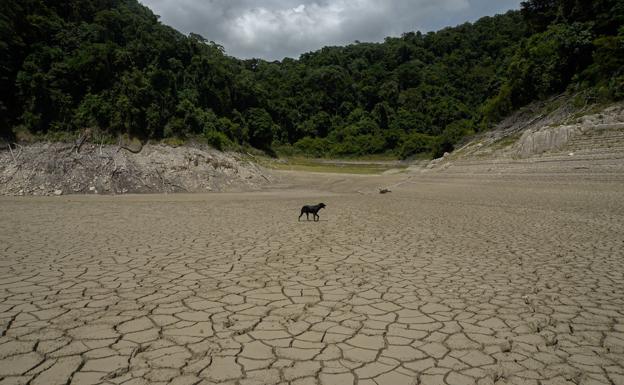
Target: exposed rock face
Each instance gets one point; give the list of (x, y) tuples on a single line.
[(533, 142), (57, 169)]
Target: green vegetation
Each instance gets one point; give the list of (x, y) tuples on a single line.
[(112, 67), (298, 163)]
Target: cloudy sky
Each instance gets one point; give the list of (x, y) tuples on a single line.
[(274, 29)]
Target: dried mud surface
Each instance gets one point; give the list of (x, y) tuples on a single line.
[(443, 281)]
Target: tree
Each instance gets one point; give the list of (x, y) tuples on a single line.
[(260, 126), (111, 65), (539, 14)]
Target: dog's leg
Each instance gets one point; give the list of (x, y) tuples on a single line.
[(299, 219), (307, 216)]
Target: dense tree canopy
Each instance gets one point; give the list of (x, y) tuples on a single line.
[(67, 65)]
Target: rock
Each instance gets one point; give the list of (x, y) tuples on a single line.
[(434, 162), (545, 139), (58, 192)]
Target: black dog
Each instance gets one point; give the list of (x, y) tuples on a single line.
[(307, 210)]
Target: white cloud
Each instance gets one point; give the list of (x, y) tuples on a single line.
[(273, 29)]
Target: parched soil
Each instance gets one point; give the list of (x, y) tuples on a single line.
[(442, 281)]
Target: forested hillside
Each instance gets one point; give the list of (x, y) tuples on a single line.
[(112, 67)]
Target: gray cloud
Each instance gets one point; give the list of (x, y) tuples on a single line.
[(274, 29)]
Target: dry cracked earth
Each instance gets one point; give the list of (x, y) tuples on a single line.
[(439, 282)]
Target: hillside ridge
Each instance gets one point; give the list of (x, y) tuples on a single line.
[(563, 140), (113, 67)]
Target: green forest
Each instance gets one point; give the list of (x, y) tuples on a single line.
[(110, 66)]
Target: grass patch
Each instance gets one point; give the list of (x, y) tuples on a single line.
[(347, 166), (173, 141), (506, 141)]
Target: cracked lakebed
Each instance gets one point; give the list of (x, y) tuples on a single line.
[(452, 283)]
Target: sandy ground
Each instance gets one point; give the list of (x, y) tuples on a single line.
[(444, 281)]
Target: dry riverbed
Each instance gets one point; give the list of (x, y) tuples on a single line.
[(443, 281)]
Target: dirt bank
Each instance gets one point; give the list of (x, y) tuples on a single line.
[(58, 168)]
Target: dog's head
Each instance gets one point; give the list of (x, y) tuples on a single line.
[(321, 205)]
